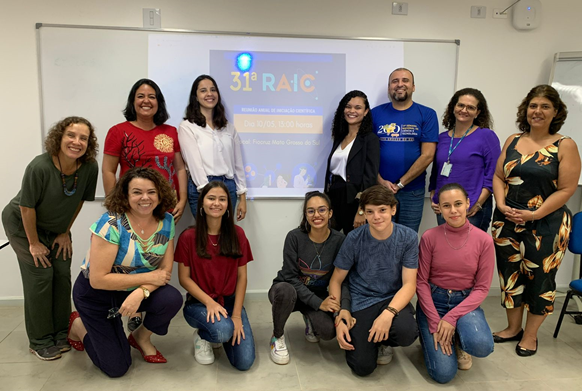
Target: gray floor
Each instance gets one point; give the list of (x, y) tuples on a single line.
[(312, 367)]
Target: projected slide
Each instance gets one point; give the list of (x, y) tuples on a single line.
[(276, 107), (280, 93)]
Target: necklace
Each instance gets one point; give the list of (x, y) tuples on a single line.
[(211, 242), (318, 253), (67, 192), (449, 243)]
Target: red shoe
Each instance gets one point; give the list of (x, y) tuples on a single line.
[(153, 358), (77, 345)]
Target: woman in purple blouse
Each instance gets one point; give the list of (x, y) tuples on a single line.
[(466, 154)]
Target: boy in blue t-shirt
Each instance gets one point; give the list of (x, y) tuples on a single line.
[(382, 259)]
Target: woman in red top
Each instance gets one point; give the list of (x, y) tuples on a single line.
[(213, 259), (144, 140)]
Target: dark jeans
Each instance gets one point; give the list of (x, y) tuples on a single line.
[(409, 210), (403, 332), (193, 194), (105, 342), (241, 356), (472, 331), (481, 219), (283, 298), (47, 292)]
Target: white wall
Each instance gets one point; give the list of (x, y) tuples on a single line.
[(494, 57)]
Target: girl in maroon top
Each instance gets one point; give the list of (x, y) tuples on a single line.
[(213, 259)]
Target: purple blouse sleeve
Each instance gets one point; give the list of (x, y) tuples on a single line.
[(492, 150)]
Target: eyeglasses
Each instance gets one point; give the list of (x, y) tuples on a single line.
[(113, 313), (321, 210), (462, 106)]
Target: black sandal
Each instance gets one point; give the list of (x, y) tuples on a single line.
[(516, 337), (523, 352)]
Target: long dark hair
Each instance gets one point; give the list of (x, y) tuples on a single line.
[(304, 225), (340, 128), (161, 115), (550, 93), (193, 113), (228, 241), (483, 120)]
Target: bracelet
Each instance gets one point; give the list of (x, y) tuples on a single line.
[(533, 215), (478, 205), (400, 185), (393, 310), (235, 316)]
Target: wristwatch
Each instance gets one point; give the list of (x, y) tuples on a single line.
[(146, 292), (400, 185)]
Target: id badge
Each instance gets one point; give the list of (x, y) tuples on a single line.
[(446, 170)]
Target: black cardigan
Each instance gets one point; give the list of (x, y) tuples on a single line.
[(362, 166)]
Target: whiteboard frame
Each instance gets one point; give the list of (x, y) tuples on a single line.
[(39, 25)]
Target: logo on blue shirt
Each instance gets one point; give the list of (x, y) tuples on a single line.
[(392, 130)]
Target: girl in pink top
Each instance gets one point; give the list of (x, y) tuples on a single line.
[(456, 262)]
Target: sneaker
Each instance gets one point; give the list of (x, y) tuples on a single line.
[(202, 350), (47, 354), (464, 359), (279, 352), (385, 354), (63, 345), (309, 334)]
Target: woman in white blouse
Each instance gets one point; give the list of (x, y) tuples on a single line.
[(354, 160), (211, 146)]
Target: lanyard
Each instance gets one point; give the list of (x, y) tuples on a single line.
[(451, 149)]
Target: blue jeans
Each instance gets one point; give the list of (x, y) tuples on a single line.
[(409, 210), (241, 356), (481, 219), (193, 194), (472, 331)]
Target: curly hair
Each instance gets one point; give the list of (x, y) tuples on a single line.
[(118, 200), (193, 113), (228, 240), (52, 144), (550, 93), (340, 127), (483, 120), (304, 226), (161, 115)]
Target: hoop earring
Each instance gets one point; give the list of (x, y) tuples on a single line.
[(227, 213), (202, 211)]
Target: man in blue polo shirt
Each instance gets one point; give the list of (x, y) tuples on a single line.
[(408, 134)]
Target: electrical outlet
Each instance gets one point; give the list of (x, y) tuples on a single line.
[(478, 11), (152, 18), (498, 15), (399, 8)]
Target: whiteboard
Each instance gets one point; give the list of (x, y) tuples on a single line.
[(89, 70), (566, 78)]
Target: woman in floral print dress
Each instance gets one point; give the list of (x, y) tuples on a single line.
[(536, 174)]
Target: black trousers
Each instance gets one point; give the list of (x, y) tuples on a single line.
[(344, 210), (403, 332), (105, 342), (283, 298)]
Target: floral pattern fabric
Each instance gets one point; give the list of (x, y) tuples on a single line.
[(529, 255)]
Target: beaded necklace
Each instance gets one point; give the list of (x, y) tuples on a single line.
[(69, 193)]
